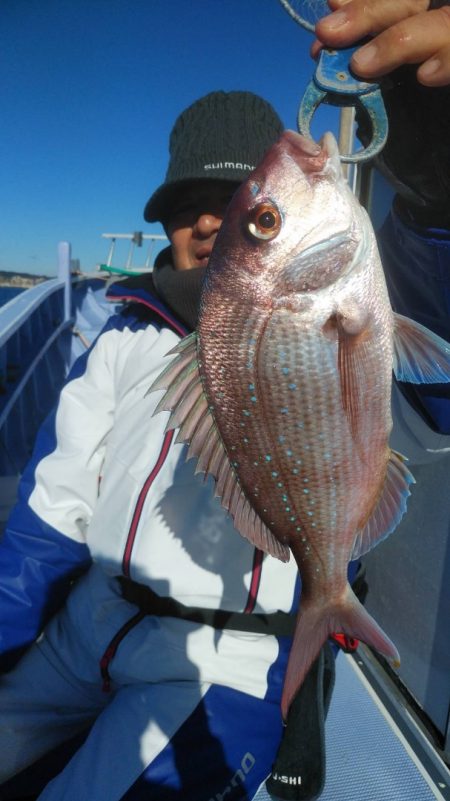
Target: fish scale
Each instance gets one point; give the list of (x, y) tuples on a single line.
[(292, 460)]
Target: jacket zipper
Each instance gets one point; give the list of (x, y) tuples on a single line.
[(140, 503), (258, 555), (255, 581)]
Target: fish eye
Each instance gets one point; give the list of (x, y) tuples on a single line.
[(264, 221)]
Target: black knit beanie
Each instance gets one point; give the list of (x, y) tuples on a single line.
[(222, 136)]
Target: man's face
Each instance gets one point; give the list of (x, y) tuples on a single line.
[(195, 218)]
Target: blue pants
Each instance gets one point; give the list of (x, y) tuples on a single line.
[(192, 713)]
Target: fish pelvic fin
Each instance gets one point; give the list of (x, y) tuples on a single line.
[(389, 508), (185, 399), (314, 625), (420, 355)]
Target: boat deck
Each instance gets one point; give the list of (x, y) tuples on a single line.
[(369, 758)]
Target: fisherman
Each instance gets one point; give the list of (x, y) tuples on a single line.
[(163, 700)]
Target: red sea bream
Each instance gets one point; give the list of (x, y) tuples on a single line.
[(284, 391)]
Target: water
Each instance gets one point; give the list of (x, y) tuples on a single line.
[(8, 293)]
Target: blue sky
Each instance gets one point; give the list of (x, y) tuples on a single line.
[(89, 91)]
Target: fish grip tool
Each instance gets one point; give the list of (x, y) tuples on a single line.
[(333, 83)]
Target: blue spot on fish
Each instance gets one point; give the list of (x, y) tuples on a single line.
[(268, 458), (292, 386), (285, 370)]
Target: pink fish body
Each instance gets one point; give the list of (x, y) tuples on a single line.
[(284, 392)]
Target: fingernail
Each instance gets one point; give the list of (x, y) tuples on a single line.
[(336, 20), (365, 55), (429, 68)]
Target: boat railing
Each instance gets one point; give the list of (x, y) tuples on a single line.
[(28, 328), (137, 239), (35, 326)]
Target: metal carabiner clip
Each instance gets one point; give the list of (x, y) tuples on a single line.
[(334, 84)]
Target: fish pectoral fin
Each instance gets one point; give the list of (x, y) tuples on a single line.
[(420, 355), (189, 411), (389, 509), (352, 356)]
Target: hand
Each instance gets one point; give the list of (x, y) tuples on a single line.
[(402, 31)]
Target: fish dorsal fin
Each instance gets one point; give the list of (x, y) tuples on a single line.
[(420, 356), (186, 401), (389, 509)]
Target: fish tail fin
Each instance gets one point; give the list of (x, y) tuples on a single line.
[(315, 624)]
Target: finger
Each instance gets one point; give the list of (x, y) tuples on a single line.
[(354, 19), (412, 41), (436, 71), (315, 49)]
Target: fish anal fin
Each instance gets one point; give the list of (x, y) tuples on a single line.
[(389, 508), (190, 412), (420, 355)]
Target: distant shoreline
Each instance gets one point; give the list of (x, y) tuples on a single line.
[(23, 280)]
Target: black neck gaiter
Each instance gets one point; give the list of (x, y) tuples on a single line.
[(180, 290)]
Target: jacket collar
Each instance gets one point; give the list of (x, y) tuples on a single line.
[(141, 289)]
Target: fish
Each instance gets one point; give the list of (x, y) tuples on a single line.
[(283, 392)]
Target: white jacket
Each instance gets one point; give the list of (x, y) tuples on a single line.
[(115, 481)]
